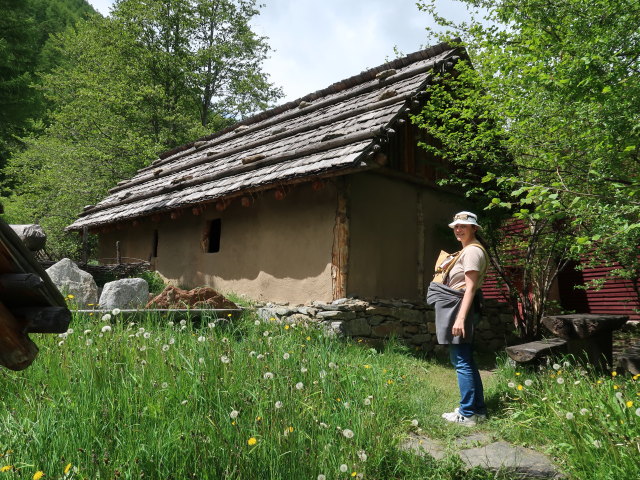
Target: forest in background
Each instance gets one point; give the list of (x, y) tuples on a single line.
[(89, 100)]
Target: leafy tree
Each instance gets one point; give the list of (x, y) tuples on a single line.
[(549, 113), (128, 87)]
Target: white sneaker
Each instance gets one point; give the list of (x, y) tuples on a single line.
[(451, 416), (471, 421)]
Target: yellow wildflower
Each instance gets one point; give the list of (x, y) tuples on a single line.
[(367, 366), (517, 374), (353, 474), (6, 468), (629, 404), (252, 441), (286, 327), (38, 475), (67, 468), (519, 387), (68, 296), (290, 429), (615, 387), (389, 381), (613, 374), (308, 339)]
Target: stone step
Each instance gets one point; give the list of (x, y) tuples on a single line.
[(479, 450)]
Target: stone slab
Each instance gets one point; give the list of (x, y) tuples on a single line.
[(524, 462), (422, 445)]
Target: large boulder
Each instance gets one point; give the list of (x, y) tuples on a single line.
[(125, 293), (32, 236), (70, 280)]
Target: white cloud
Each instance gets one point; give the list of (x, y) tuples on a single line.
[(319, 42)]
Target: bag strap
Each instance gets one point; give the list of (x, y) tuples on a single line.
[(458, 255)]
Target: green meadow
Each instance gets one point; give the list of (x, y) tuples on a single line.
[(162, 398)]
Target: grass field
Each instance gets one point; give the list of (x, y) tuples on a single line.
[(251, 399)]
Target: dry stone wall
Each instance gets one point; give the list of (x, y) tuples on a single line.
[(374, 321)]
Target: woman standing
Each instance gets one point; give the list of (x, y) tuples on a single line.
[(453, 300)]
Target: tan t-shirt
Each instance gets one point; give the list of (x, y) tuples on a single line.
[(471, 259)]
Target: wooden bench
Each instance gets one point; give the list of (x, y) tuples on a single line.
[(533, 352)]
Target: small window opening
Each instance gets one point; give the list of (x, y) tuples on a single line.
[(215, 228), (154, 245)]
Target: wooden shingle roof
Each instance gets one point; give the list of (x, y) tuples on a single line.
[(325, 133)]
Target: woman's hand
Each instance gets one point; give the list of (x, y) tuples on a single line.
[(458, 328)]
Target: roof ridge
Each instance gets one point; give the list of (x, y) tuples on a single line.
[(333, 88)]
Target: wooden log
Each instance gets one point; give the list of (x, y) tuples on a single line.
[(43, 319), (534, 351), (341, 237), (420, 252), (15, 283), (17, 351)]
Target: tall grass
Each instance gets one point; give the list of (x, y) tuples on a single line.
[(589, 421), (242, 399)]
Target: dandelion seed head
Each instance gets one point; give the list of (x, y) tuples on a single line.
[(225, 359), (257, 322), (211, 324), (511, 385), (597, 443), (267, 375), (143, 348), (105, 329), (569, 416), (285, 355), (556, 366), (619, 395), (88, 342), (201, 339), (560, 380), (322, 374), (528, 382), (172, 341), (343, 468), (183, 322), (367, 401), (362, 455), (260, 356), (332, 365), (304, 370), (115, 311), (164, 385), (414, 423), (165, 348), (201, 360), (347, 433), (147, 335), (234, 414), (106, 317), (299, 386), (584, 411), (321, 477)]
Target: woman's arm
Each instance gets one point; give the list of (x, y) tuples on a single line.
[(470, 281)]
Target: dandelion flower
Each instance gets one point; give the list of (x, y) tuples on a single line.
[(234, 414), (556, 366), (286, 356), (278, 404), (106, 317), (147, 335), (299, 386), (343, 468), (6, 468), (321, 477), (71, 296), (115, 311), (67, 468), (267, 375), (569, 416), (362, 455), (38, 475), (629, 404), (614, 374), (560, 380), (286, 327), (164, 385), (303, 370), (165, 348), (347, 433), (597, 443), (520, 387), (224, 359), (201, 338), (252, 441), (414, 423), (89, 342), (332, 365), (353, 474), (105, 329), (528, 382), (511, 385), (583, 411)]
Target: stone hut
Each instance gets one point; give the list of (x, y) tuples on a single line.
[(321, 198)]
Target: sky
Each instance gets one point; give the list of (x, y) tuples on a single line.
[(319, 42)]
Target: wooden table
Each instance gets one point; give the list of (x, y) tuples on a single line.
[(589, 336)]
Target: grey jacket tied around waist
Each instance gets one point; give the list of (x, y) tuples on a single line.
[(446, 302)]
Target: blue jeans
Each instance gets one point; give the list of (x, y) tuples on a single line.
[(469, 381)]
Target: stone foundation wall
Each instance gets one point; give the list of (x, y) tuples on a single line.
[(413, 323)]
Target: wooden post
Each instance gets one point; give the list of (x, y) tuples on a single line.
[(340, 251), (85, 245), (420, 231), (118, 256), (17, 351)]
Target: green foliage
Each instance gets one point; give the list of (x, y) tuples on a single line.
[(155, 281), (163, 400), (544, 128), (584, 417), (152, 76)]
